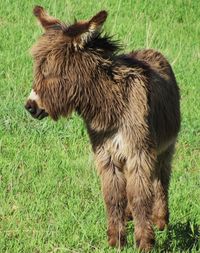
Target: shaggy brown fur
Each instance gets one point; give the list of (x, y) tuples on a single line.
[(130, 105)]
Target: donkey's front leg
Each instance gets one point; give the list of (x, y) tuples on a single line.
[(140, 197), (114, 192)]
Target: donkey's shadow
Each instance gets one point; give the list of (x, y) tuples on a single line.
[(182, 236)]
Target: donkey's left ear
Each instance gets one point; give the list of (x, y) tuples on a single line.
[(97, 21), (82, 31), (45, 19)]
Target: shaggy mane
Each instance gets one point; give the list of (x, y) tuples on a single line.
[(104, 43)]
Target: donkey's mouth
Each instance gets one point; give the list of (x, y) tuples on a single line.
[(40, 114), (35, 111)]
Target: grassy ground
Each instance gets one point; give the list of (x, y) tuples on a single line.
[(50, 199)]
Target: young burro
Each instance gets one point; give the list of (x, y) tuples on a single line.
[(130, 106)]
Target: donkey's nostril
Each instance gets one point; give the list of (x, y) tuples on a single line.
[(30, 108), (36, 112)]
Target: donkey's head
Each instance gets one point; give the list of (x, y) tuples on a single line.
[(58, 58)]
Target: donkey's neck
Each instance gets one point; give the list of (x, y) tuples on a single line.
[(101, 98)]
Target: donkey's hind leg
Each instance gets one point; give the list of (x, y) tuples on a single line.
[(140, 197), (160, 214), (114, 192)]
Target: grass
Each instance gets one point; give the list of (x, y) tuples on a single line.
[(50, 193)]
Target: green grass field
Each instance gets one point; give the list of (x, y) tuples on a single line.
[(50, 197)]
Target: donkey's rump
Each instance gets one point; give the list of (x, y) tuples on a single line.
[(164, 112)]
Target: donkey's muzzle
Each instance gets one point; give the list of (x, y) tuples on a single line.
[(36, 112)]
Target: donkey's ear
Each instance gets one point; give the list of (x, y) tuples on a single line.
[(45, 20), (82, 31), (97, 21)]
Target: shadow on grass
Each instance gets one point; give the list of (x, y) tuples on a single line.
[(183, 237)]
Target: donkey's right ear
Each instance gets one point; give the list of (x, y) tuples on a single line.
[(45, 20)]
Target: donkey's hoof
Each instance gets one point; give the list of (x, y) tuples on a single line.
[(145, 245), (117, 241), (161, 223)]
